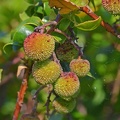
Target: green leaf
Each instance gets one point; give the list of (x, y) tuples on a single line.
[(89, 25), (30, 10), (58, 37), (32, 21), (64, 24), (1, 70), (90, 75), (7, 48), (33, 1), (80, 2), (24, 29), (21, 33), (10, 47)]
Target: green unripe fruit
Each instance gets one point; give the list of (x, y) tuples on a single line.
[(29, 117), (80, 67), (112, 6), (39, 46), (67, 86), (63, 106), (46, 72), (66, 52)]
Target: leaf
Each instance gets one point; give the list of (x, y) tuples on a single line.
[(24, 29), (89, 25), (64, 5), (10, 47), (90, 75), (21, 33), (1, 70), (33, 1), (59, 37), (21, 71), (80, 3), (7, 48), (64, 23)]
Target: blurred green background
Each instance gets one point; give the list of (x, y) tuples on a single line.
[(99, 98)]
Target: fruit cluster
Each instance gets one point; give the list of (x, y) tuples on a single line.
[(66, 85)]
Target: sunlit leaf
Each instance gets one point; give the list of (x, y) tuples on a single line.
[(89, 25), (80, 2), (64, 5)]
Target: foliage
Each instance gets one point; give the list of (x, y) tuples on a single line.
[(99, 90)]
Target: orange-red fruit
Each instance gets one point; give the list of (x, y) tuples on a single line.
[(80, 66), (39, 46), (112, 6), (67, 86)]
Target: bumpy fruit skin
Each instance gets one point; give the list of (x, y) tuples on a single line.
[(46, 72), (80, 66), (63, 106), (112, 6), (39, 46), (67, 86), (66, 52)]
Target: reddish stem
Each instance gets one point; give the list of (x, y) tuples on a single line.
[(108, 27), (21, 94)]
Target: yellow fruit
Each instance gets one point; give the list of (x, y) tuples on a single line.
[(39, 46), (46, 72), (67, 86), (66, 52), (63, 106), (112, 6), (80, 67)]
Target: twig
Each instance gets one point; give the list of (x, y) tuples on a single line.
[(37, 92), (73, 37), (48, 103), (21, 94), (61, 32), (57, 61), (108, 27), (58, 18)]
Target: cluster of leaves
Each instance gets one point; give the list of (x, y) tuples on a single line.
[(98, 47)]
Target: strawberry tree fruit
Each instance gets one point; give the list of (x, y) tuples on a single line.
[(80, 66), (112, 6), (66, 52), (63, 106), (39, 46), (67, 86), (46, 72)]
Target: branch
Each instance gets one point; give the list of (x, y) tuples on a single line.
[(58, 18), (108, 27), (21, 94)]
